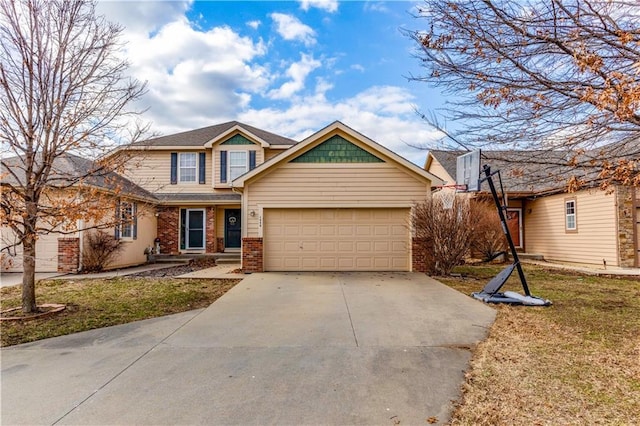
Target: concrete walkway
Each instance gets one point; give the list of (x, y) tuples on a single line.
[(280, 349)]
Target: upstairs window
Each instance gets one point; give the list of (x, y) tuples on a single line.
[(187, 167), (570, 223), (238, 164)]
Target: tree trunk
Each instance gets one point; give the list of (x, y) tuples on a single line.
[(29, 273)]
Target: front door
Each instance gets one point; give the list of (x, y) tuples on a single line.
[(232, 228), (194, 229), (514, 221)]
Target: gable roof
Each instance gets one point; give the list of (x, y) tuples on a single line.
[(70, 170), (308, 143), (200, 137), (523, 172)]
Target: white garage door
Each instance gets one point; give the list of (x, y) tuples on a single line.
[(46, 253), (336, 240)]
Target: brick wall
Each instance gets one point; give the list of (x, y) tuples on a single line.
[(220, 241), (419, 255), (68, 254), (212, 242), (169, 229), (625, 206), (252, 255)]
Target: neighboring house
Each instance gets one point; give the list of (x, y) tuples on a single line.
[(589, 226), (114, 197), (336, 201)]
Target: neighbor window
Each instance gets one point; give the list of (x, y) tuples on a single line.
[(570, 215), (127, 219), (238, 164), (187, 166)]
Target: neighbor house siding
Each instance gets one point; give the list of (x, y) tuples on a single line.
[(436, 168), (152, 171), (595, 238), (332, 185)]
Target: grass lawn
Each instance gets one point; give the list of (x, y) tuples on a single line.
[(101, 303), (576, 362)]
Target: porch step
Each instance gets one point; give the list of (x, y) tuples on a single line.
[(227, 258)]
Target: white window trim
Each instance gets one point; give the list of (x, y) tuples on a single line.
[(124, 223), (574, 215), (230, 178), (180, 180)]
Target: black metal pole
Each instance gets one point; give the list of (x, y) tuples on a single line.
[(505, 228)]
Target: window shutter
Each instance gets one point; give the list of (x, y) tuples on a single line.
[(223, 166), (174, 168), (134, 224), (252, 160), (201, 166), (116, 228)]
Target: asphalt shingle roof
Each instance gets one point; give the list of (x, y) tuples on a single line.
[(69, 169), (201, 136)]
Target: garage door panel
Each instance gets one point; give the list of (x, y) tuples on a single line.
[(336, 239)]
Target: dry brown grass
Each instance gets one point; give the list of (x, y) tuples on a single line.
[(577, 362), (96, 303)]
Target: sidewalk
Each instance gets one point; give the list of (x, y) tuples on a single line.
[(590, 269)]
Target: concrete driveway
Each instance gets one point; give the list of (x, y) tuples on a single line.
[(341, 348)]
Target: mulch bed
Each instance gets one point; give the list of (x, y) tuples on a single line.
[(174, 271)]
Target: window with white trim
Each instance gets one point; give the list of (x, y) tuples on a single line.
[(187, 166), (570, 223), (238, 164), (127, 216)]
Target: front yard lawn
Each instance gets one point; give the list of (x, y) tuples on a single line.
[(576, 362), (101, 303)]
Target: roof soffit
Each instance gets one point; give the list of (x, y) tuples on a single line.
[(235, 130)]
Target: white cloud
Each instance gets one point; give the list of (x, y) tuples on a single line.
[(383, 113), (357, 67), (330, 6), (297, 72), (290, 28), (195, 76), (143, 17), (254, 24)]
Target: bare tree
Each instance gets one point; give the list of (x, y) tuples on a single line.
[(63, 97), (557, 76)]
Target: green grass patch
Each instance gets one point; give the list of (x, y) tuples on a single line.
[(101, 303), (575, 362)]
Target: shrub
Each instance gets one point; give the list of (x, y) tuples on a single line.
[(445, 233), (487, 239), (99, 249)]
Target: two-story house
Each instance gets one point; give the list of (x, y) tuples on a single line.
[(335, 201)]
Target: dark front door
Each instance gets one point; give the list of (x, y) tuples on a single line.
[(194, 229), (232, 228)]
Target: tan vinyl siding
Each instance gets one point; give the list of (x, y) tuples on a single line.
[(270, 153), (152, 171), (133, 252), (436, 168), (333, 185), (594, 240)]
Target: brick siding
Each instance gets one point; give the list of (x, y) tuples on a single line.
[(169, 229), (252, 255), (68, 254), (212, 242), (419, 255), (220, 241), (626, 204)]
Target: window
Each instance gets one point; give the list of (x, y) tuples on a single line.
[(187, 167), (570, 223), (237, 164), (127, 220)]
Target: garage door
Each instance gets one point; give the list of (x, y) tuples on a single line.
[(46, 253), (336, 240)]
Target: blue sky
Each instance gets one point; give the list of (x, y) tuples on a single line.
[(290, 67)]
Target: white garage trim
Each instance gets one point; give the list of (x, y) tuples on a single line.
[(337, 239)]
